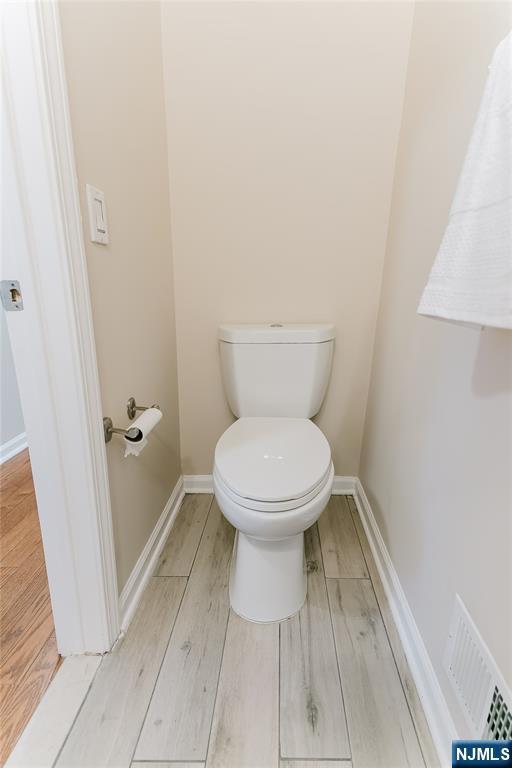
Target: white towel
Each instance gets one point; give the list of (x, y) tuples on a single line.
[(471, 280)]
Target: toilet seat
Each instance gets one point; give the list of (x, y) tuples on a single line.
[(274, 525), (266, 506), (272, 463)]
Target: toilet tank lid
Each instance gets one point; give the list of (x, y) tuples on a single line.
[(276, 333)]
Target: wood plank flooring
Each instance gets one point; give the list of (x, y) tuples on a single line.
[(315, 764), (178, 722), (48, 728), (180, 550), (194, 685), (413, 700), (28, 650), (312, 712), (245, 729), (138, 764), (341, 549), (106, 730), (370, 680)]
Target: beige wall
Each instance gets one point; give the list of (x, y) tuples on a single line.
[(283, 120), (437, 448), (114, 69)]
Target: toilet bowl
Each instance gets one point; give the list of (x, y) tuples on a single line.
[(273, 472), (273, 478)]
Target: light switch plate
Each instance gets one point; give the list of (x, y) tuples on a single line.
[(98, 225)]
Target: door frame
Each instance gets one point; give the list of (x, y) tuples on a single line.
[(53, 337)]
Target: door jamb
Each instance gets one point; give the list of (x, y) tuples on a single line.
[(63, 413)]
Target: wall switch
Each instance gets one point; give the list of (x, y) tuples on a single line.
[(98, 227)]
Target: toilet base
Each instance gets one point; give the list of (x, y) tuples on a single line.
[(268, 580)]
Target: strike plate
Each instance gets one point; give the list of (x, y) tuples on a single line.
[(12, 299)]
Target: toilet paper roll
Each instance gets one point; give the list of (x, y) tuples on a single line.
[(136, 441), (133, 449)]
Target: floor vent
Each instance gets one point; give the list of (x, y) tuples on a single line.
[(499, 719), (475, 678)]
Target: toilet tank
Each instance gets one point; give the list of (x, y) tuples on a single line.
[(276, 369)]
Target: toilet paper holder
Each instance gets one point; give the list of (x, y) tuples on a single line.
[(131, 409), (109, 430)]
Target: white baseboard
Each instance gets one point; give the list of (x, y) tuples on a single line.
[(198, 483), (204, 484), (434, 704), (12, 447), (344, 486), (139, 577)]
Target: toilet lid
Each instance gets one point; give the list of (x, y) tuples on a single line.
[(272, 459)]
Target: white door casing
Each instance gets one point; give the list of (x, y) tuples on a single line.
[(52, 338)]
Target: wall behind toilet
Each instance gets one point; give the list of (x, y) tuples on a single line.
[(114, 69), (283, 122)]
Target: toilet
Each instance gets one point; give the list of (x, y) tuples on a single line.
[(273, 472)]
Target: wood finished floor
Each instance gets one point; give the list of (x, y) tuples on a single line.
[(194, 685), (28, 650)]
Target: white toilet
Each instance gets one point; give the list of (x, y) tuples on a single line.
[(273, 472)]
